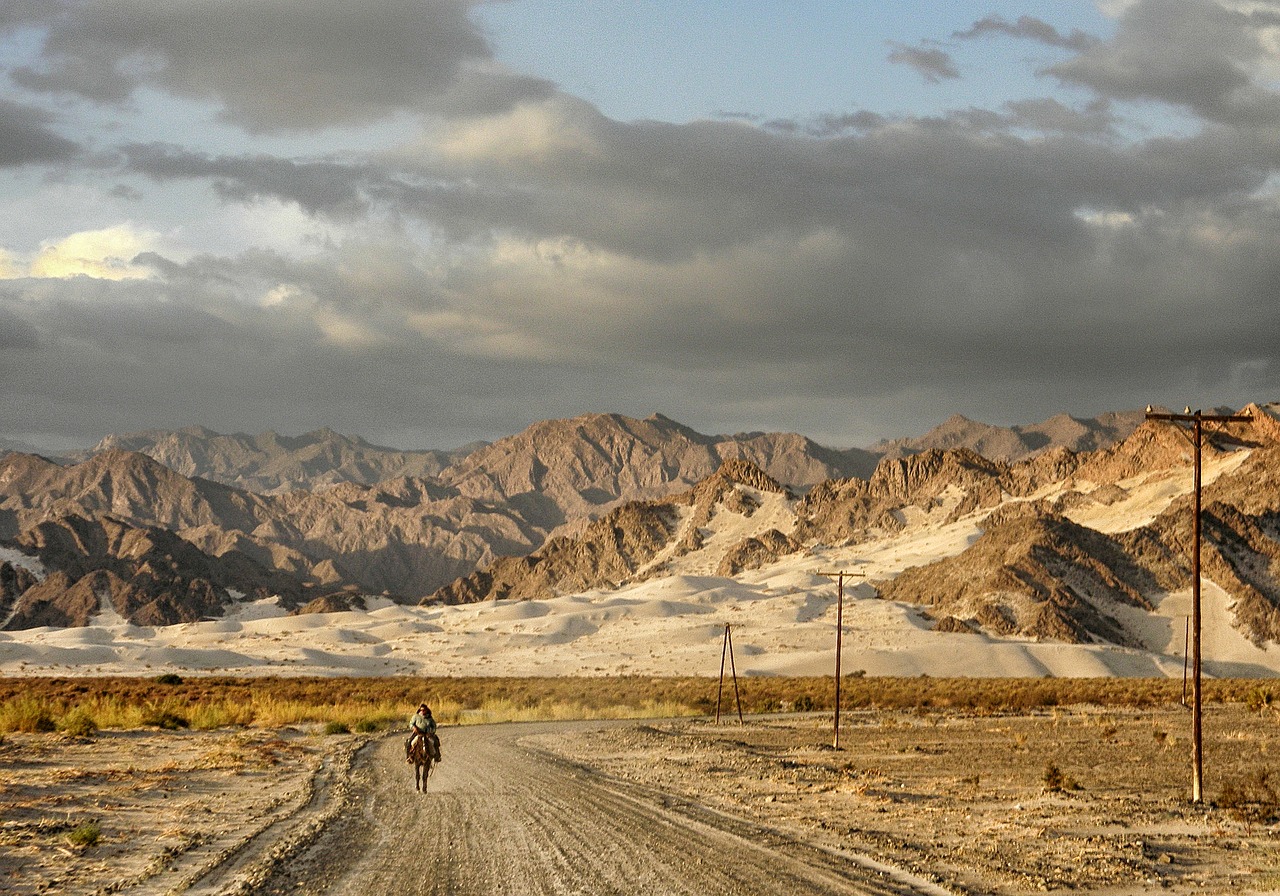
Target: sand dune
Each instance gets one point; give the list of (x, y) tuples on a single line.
[(783, 619)]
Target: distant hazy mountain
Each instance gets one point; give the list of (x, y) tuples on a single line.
[(1017, 442), (564, 470), (560, 471), (269, 463), (9, 445)]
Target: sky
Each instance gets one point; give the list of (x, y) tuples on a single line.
[(430, 222)]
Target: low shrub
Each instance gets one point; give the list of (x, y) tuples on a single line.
[(207, 702), (1251, 798), (27, 714), (85, 835), (1057, 781), (78, 723), (164, 718), (336, 728)]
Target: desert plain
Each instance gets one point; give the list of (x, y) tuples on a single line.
[(1080, 798)]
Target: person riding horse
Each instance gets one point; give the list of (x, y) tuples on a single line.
[(423, 727)]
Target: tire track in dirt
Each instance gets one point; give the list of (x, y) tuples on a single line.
[(502, 815)]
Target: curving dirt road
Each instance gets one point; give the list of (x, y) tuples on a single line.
[(505, 815)]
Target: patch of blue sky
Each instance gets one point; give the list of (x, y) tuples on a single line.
[(778, 60)]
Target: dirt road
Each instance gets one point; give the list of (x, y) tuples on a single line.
[(505, 815)]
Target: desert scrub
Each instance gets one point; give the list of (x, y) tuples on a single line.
[(205, 703), (1251, 798), (27, 714), (1260, 700), (84, 835), (1057, 781), (78, 723)]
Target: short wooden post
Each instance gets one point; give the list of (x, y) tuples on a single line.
[(728, 635), (726, 650)]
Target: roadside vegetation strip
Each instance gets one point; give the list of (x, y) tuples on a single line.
[(78, 706)]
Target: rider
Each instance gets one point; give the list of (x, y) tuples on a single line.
[(423, 726)]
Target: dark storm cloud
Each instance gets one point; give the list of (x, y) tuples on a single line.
[(191, 349), (1005, 263), (932, 63), (15, 333), (318, 187), (273, 65), (667, 192), (26, 138)]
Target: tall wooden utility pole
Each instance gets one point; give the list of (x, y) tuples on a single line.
[(1197, 421), (839, 576)]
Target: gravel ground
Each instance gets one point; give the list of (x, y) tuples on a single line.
[(1087, 800), (1084, 799)]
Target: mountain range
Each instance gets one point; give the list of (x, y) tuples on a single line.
[(1077, 523)]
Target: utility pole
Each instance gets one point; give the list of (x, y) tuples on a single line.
[(1186, 655), (839, 577), (1197, 421)]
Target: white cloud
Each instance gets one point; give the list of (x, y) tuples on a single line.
[(1108, 219), (106, 254)]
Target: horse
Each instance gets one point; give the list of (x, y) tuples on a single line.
[(420, 756)]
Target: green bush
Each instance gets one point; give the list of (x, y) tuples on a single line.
[(85, 835), (1259, 699), (336, 728), (169, 678)]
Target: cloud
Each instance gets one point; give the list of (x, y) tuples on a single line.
[(932, 63), (317, 187), (273, 65), (528, 256), (26, 138), (1217, 59), (1049, 115), (1030, 28), (107, 254)]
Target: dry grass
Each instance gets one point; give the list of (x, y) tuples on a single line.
[(79, 705)]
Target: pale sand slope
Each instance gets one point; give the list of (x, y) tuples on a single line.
[(783, 620)]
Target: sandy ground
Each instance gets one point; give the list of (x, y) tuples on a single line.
[(967, 802), (170, 808)]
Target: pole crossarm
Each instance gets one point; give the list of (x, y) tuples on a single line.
[(1207, 418), (1197, 421)]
